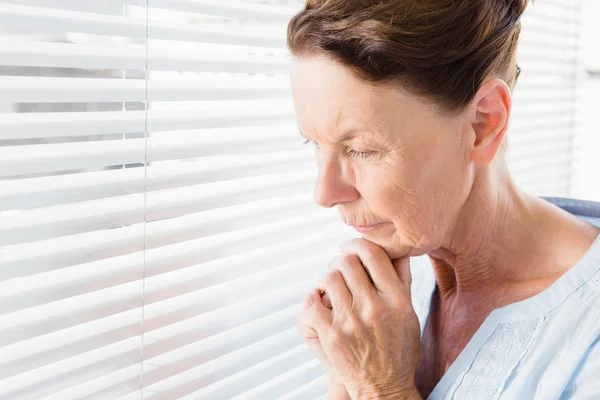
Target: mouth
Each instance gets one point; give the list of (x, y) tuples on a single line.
[(370, 228)]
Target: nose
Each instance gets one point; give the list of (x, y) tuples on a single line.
[(333, 185)]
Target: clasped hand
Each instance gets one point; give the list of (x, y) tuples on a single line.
[(371, 335)]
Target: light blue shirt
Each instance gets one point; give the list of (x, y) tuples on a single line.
[(545, 347)]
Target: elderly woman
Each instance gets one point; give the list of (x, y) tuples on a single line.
[(407, 104)]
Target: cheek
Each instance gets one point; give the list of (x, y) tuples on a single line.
[(392, 192), (418, 197)]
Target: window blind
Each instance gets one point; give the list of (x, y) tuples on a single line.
[(589, 132), (157, 231), (543, 137)]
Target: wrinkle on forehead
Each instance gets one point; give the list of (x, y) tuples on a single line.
[(334, 101)]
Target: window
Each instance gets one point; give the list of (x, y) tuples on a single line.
[(543, 133), (166, 246), (587, 151)]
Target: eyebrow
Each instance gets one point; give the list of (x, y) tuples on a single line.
[(348, 135)]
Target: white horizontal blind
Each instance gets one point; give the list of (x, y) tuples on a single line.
[(589, 133), (543, 134), (157, 231)]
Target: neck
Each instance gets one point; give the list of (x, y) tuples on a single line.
[(506, 240)]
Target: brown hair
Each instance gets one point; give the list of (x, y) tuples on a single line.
[(443, 49)]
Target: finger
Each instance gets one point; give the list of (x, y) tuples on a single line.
[(324, 296), (332, 283), (303, 325), (402, 268), (355, 275), (325, 299), (376, 262), (311, 337), (319, 317)]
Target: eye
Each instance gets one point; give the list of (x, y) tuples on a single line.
[(360, 154), (308, 141)]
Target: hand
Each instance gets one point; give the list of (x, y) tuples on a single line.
[(371, 336), (335, 385)]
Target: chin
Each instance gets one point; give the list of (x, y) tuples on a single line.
[(393, 250)]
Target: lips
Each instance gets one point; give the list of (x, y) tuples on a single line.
[(369, 228), (363, 225)]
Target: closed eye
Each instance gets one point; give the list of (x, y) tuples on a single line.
[(308, 141), (360, 154)]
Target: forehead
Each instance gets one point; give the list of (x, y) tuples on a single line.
[(326, 90), (330, 99)]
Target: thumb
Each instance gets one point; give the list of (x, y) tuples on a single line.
[(402, 268)]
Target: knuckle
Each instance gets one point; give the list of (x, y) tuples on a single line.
[(371, 312), (331, 278), (335, 339), (398, 303), (335, 263), (353, 263), (345, 262), (350, 260), (368, 313), (370, 249), (371, 254)]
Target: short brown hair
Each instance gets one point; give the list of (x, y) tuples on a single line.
[(443, 49)]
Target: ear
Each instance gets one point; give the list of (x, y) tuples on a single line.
[(492, 105)]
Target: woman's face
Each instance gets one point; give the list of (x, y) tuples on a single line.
[(384, 156)]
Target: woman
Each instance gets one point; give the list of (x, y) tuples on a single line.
[(408, 103)]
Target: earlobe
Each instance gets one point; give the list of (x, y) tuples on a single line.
[(492, 110)]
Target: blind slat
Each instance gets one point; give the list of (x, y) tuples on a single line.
[(237, 384), (168, 252), (313, 389), (99, 335), (78, 280), (22, 126), (60, 189), (78, 310), (35, 159), (229, 9), (213, 371), (280, 385), (50, 20), (66, 55), (63, 220), (43, 90)]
